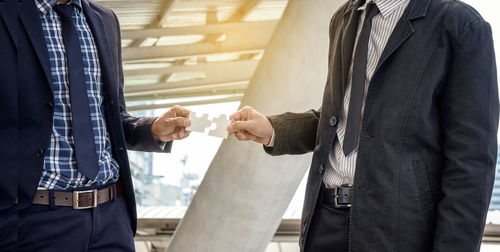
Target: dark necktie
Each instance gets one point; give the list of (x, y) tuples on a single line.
[(358, 82), (84, 146)]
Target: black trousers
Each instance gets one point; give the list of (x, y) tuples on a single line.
[(329, 230)]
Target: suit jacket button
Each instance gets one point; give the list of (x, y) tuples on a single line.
[(40, 152), (321, 169), (333, 121)]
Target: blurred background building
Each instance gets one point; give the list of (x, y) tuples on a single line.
[(495, 198), (201, 54)]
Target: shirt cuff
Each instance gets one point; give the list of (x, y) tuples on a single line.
[(162, 145), (271, 143)]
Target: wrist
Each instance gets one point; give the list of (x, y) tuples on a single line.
[(269, 142), (154, 130)]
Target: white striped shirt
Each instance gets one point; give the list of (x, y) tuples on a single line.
[(341, 168)]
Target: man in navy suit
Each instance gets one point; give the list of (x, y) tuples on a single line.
[(65, 178)]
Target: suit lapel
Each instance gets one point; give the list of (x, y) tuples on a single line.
[(401, 33), (31, 20), (351, 18), (8, 14), (340, 54), (403, 30), (96, 24)]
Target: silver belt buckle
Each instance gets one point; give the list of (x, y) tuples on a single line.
[(76, 199), (336, 203)]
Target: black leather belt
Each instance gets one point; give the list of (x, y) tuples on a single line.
[(79, 199), (338, 197)]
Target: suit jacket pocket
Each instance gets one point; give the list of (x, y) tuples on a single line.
[(423, 188)]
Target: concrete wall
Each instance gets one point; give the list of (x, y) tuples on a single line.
[(245, 192)]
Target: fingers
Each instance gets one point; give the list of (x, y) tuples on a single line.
[(177, 135), (171, 125), (181, 111), (185, 135), (242, 115), (178, 122), (249, 124), (244, 136), (241, 126), (236, 116), (180, 135), (176, 111)]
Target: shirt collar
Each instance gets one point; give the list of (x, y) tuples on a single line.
[(45, 5), (386, 7)]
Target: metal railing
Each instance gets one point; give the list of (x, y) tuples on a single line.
[(157, 232)]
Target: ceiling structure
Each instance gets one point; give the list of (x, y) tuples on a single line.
[(192, 52)]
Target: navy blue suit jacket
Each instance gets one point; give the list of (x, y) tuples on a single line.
[(26, 101)]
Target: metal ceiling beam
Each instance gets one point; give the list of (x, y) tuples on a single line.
[(232, 73), (167, 6), (129, 4), (245, 10), (211, 18), (210, 93), (183, 52), (265, 26), (188, 51), (159, 21), (184, 104), (167, 89), (211, 68)]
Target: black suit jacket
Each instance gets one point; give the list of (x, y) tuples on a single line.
[(26, 100), (428, 143)]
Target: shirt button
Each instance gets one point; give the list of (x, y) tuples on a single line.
[(333, 121), (40, 152), (50, 104)]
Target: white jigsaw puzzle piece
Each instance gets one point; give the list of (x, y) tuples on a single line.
[(221, 123), (198, 124)]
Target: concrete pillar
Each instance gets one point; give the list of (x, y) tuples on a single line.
[(245, 192)]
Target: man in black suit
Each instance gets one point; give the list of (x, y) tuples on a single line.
[(65, 178), (405, 142)]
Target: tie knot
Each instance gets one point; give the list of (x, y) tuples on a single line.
[(371, 10), (64, 10)]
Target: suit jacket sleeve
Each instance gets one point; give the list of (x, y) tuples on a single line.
[(137, 129), (469, 108), (295, 132)]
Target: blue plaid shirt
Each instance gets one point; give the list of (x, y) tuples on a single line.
[(60, 171)]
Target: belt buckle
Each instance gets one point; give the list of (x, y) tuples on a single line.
[(335, 201), (76, 199)]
